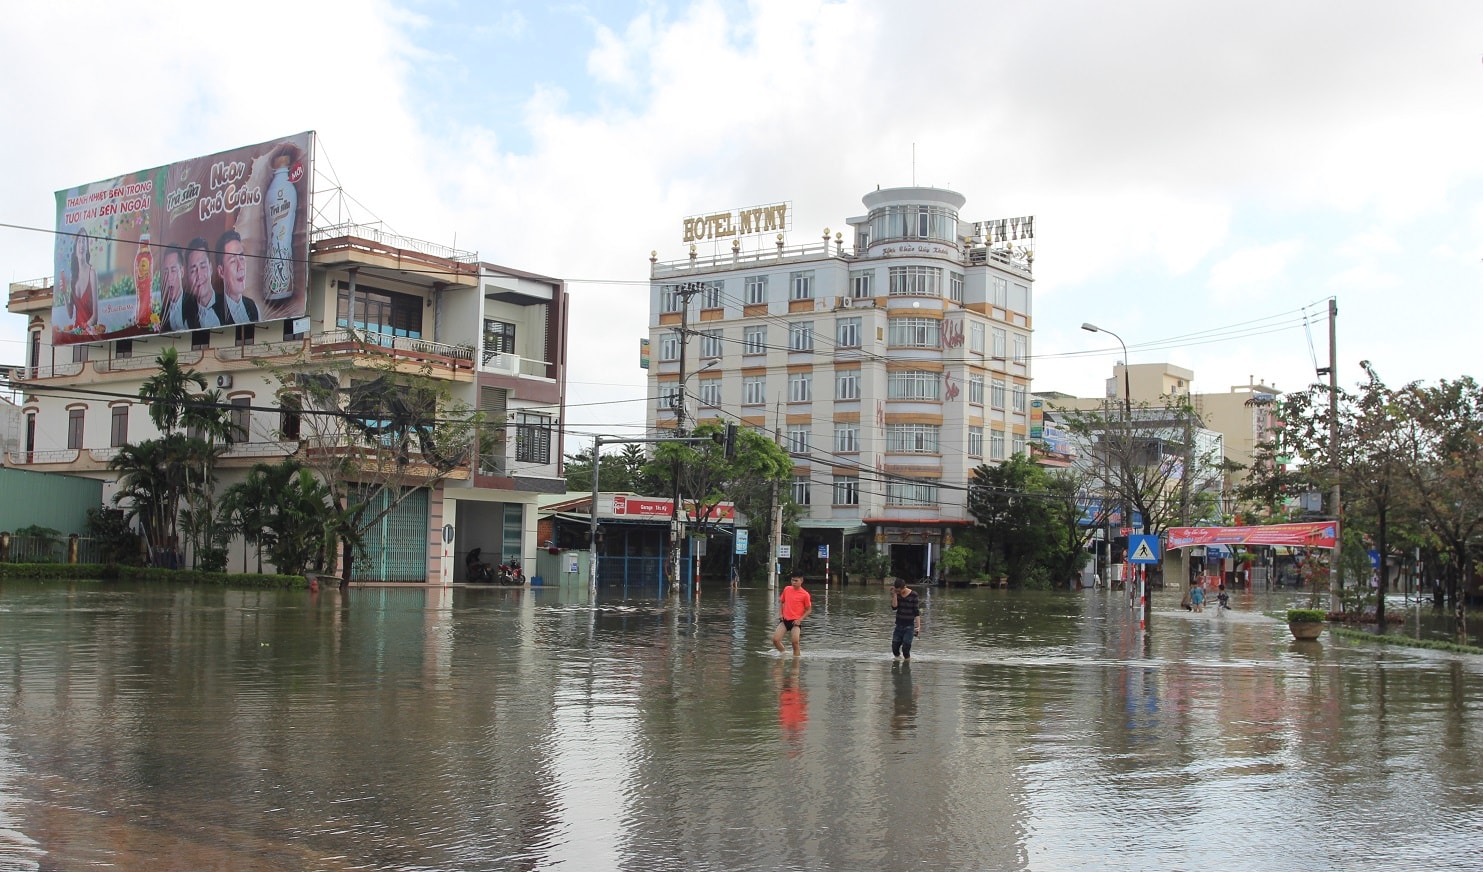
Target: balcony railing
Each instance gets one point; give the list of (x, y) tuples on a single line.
[(378, 236), (405, 344), (26, 458)]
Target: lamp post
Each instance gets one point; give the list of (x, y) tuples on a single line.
[(1127, 424)]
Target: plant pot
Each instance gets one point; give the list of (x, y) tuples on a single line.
[(1305, 630)]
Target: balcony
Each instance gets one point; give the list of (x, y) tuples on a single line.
[(410, 354), (32, 295)]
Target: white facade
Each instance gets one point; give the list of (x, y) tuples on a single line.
[(889, 369), (495, 335)]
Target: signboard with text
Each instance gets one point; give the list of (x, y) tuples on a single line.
[(1321, 534), (199, 244)]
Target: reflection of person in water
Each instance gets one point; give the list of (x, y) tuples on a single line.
[(904, 711), (82, 297), (792, 707)]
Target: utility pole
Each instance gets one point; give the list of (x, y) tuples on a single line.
[(676, 520), (777, 540), (1338, 505)]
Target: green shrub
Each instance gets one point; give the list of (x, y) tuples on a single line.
[(58, 571), (1306, 616)]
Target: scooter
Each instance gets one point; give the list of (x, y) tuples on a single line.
[(477, 572)]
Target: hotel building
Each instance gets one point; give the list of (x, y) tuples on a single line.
[(889, 365)]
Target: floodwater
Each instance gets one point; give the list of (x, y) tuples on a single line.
[(162, 728)]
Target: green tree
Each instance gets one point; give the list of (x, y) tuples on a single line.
[(375, 435), (1010, 502)]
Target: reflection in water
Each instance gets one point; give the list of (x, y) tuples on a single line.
[(496, 728)]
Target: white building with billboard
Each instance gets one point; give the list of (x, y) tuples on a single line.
[(890, 365), (270, 289)]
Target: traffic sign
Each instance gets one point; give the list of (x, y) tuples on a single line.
[(1143, 549)]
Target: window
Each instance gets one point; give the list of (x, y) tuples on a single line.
[(710, 295), (669, 396), (800, 387), (384, 313), (1021, 348), (200, 339), (996, 393), (846, 490), (710, 392), (80, 352), (754, 390), (913, 222), (1019, 298), (123, 348), (975, 442), (798, 439), (862, 284), (802, 284), (246, 334), (976, 388), (801, 336), (915, 332), (754, 340), (1019, 443), (998, 343), (288, 330), (1017, 395), (996, 444), (499, 338), (532, 438), (756, 290), (241, 420), (710, 343), (118, 434), (914, 385), (289, 416), (914, 281), (912, 438), (847, 333), (1001, 293), (901, 493), (801, 490), (669, 346), (976, 338), (74, 428), (670, 299), (955, 287), (847, 384), (847, 438)]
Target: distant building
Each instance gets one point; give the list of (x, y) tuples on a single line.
[(889, 366)]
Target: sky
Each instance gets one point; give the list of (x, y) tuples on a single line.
[(1204, 177)]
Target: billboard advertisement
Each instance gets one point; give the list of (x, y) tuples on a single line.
[(200, 244)]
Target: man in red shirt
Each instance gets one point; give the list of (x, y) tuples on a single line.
[(797, 605)]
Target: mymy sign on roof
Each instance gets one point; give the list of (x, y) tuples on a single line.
[(198, 244)]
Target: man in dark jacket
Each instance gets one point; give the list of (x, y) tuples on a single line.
[(908, 608)]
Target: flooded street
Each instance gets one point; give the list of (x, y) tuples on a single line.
[(403, 728)]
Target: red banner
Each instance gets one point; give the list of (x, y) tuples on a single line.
[(1321, 534)]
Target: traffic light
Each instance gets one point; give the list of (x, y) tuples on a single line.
[(730, 441)]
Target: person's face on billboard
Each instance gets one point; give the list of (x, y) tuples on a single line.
[(233, 269), (172, 274), (198, 271), (80, 248)]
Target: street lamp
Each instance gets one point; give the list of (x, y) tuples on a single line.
[(1127, 390), (1127, 420), (684, 394)]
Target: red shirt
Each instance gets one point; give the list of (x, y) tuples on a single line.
[(795, 601)]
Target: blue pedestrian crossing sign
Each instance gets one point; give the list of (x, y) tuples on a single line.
[(1143, 549)]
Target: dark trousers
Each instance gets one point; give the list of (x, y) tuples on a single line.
[(901, 640)]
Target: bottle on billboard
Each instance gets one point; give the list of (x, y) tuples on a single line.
[(281, 207), (143, 279)]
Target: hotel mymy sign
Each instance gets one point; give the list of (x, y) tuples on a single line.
[(741, 222), (1005, 229), (200, 244)]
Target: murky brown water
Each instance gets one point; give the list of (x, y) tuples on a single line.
[(166, 728)]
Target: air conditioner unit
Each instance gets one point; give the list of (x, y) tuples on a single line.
[(224, 381)]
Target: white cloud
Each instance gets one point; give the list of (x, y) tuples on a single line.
[(1249, 270)]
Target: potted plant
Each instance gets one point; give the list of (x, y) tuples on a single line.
[(1306, 624)]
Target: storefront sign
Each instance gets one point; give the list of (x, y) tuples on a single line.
[(1321, 534)]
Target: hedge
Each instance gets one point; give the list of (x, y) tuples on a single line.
[(71, 571)]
